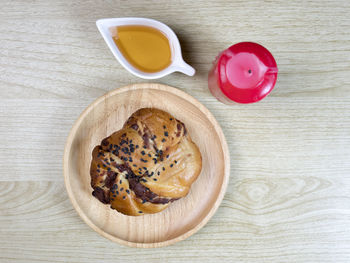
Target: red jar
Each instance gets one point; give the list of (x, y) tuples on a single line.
[(245, 73)]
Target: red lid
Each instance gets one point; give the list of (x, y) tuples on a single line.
[(247, 72)]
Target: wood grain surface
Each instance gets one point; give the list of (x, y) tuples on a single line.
[(288, 199)]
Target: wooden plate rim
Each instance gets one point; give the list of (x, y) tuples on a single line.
[(174, 91)]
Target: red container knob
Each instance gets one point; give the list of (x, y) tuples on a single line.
[(245, 73)]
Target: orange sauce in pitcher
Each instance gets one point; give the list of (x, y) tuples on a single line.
[(146, 48)]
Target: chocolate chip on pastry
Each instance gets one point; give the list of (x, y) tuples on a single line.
[(146, 165)]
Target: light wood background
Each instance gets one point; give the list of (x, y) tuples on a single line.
[(288, 199)]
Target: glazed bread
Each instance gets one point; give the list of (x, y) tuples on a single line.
[(146, 165)]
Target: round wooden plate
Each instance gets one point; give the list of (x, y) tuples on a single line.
[(182, 218)]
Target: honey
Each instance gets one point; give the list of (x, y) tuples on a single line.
[(146, 48)]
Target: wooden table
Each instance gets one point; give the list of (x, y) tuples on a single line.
[(288, 198)]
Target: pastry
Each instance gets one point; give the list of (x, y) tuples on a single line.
[(148, 164)]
